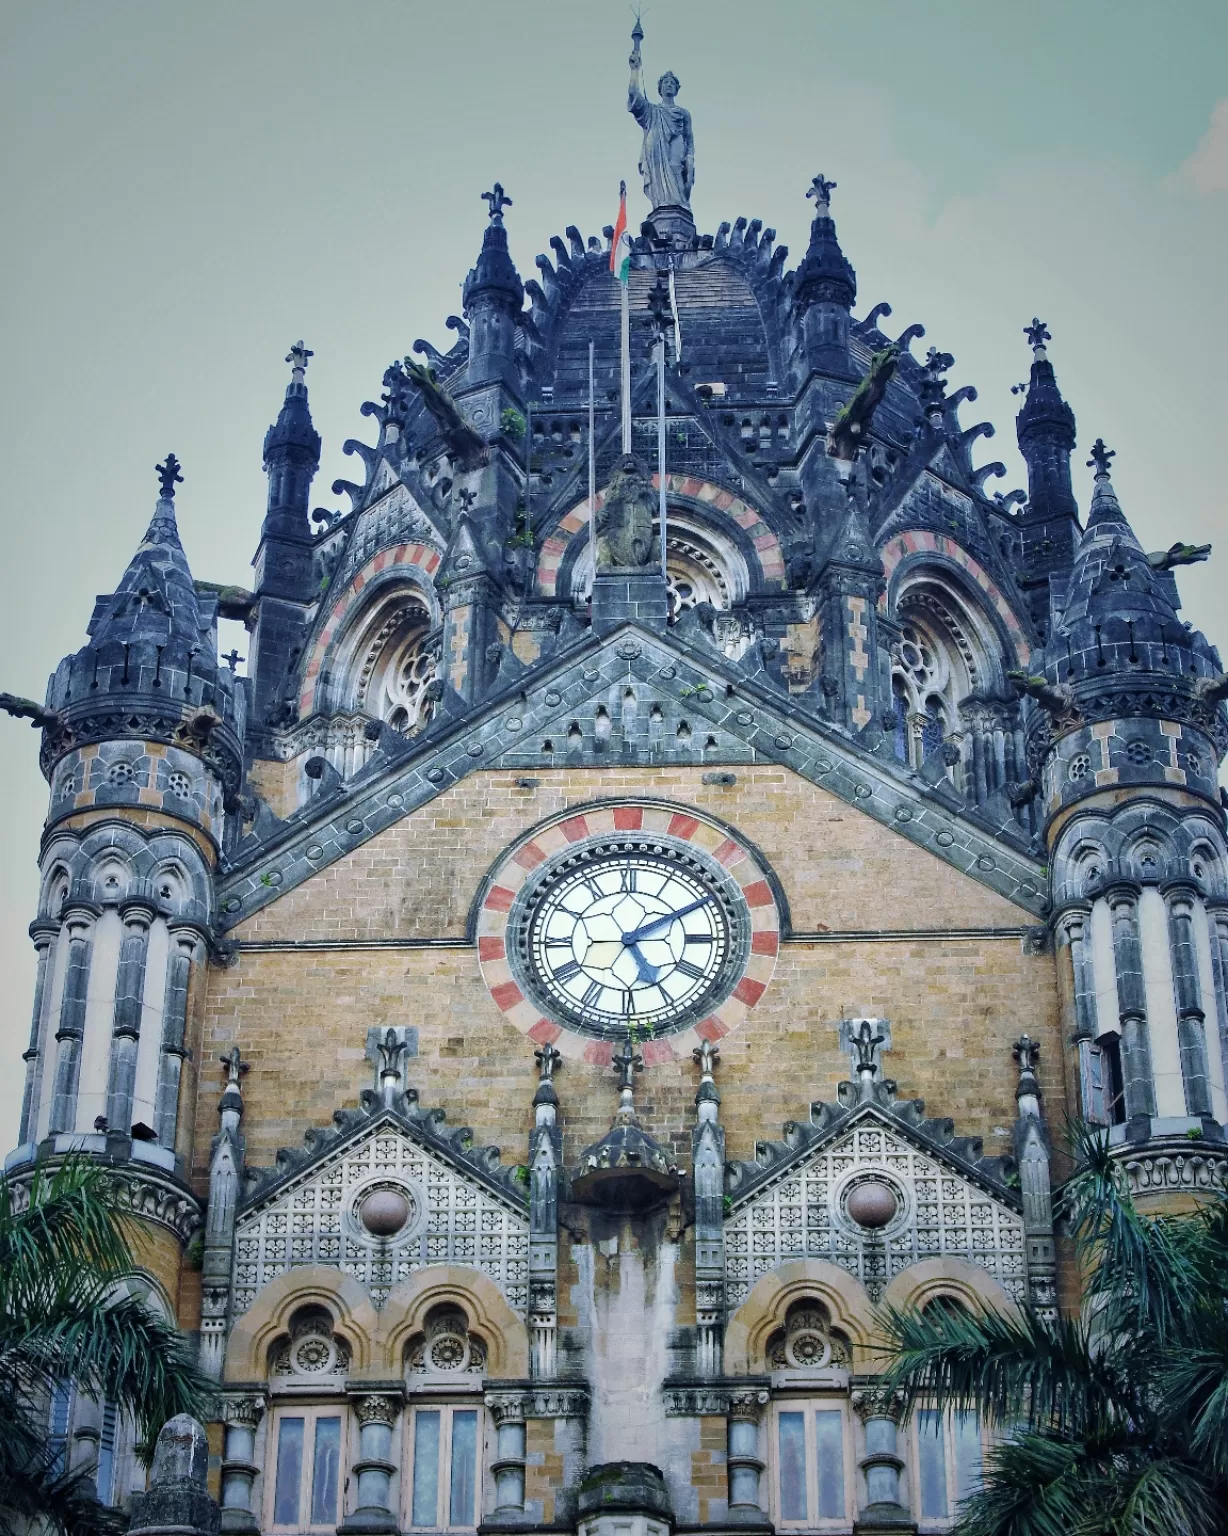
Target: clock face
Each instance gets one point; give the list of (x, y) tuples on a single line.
[(629, 936)]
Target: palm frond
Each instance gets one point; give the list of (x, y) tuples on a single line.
[(77, 1217), (1008, 1369)]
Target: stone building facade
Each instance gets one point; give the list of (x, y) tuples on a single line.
[(547, 1004)]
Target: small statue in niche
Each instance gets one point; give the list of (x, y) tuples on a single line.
[(626, 540)]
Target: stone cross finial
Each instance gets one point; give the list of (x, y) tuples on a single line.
[(169, 476), (865, 1041), (821, 190), (706, 1054), (466, 497), (547, 1060), (937, 362), (232, 658), (627, 1063), (1100, 458), (297, 358), (497, 200), (235, 1066), (1037, 333)]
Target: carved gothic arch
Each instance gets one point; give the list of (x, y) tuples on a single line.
[(764, 1311)]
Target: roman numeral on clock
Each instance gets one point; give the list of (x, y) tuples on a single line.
[(591, 993), (687, 969), (567, 970)]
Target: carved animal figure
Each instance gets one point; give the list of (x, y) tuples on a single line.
[(852, 423), (465, 446), (625, 537)]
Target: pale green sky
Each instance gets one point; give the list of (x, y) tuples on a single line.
[(190, 187)]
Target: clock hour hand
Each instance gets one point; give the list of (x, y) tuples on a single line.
[(648, 973), (646, 930)]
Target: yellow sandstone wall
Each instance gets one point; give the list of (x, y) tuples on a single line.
[(955, 1005)]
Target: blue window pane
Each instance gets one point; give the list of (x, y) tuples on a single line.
[(426, 1468), (464, 1467), (933, 1467), (289, 1472), (106, 1455), (829, 1445), (57, 1424), (792, 1456), (326, 1472), (967, 1433)]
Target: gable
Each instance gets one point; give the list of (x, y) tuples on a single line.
[(313, 1220), (942, 1213), (727, 719)]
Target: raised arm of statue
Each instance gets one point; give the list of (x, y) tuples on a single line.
[(637, 102)]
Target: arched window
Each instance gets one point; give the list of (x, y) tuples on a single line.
[(398, 668), (445, 1366)]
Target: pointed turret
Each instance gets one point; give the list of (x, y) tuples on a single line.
[(825, 289), (848, 588), (1126, 693), (285, 575), (148, 672), (494, 297), (1045, 427)]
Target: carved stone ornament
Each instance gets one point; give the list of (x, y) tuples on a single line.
[(376, 1408), (245, 1412), (506, 1407), (625, 537), (748, 1404), (875, 1403)]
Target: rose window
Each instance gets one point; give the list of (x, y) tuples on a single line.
[(401, 664), (446, 1347)]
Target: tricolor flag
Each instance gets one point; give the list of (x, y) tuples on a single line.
[(620, 245)]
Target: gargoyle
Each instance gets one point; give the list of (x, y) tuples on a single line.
[(27, 709), (1207, 690), (1054, 697), (1178, 554), (232, 602), (465, 446), (852, 422)]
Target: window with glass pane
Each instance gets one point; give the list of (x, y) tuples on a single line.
[(443, 1484), (810, 1472), (307, 1469), (57, 1424), (948, 1461), (107, 1437)]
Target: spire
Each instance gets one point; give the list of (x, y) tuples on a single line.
[(825, 287), (291, 453), (156, 598), (1113, 586), (493, 297), (1045, 427)]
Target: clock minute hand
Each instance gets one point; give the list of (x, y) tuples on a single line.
[(663, 922)]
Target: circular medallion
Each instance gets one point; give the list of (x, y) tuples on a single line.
[(637, 921)]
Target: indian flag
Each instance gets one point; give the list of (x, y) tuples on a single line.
[(620, 245)]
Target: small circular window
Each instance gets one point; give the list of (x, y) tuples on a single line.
[(1138, 753), (119, 774), (178, 784), (1080, 767)]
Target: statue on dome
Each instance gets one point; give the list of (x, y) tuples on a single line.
[(667, 158)]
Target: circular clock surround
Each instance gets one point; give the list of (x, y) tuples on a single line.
[(635, 918)]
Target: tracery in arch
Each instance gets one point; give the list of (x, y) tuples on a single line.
[(943, 656), (387, 668)]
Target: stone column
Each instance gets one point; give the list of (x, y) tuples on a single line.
[(1073, 930), (137, 915), (882, 1463), (376, 1413), (174, 1029), (745, 1463), (1191, 1017), (77, 932), (241, 1416), (708, 1164), (507, 1410), (42, 931), (1217, 922), (1138, 1082), (545, 1160)]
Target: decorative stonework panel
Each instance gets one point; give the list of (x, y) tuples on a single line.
[(939, 1215), (316, 1221)]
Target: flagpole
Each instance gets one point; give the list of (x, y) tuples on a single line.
[(625, 341), (592, 468), (661, 440)]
